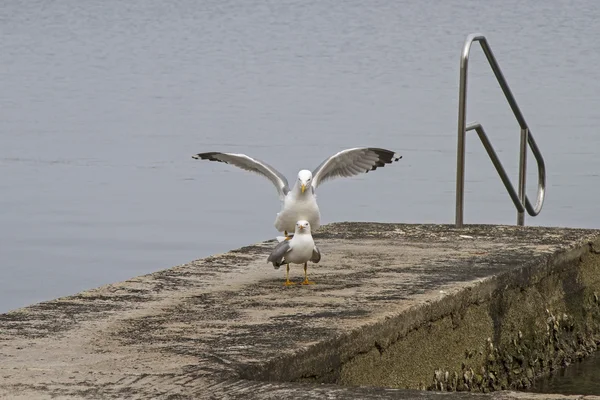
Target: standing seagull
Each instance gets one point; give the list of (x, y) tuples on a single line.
[(300, 203), (300, 249)]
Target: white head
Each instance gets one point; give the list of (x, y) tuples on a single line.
[(304, 179), (302, 227)]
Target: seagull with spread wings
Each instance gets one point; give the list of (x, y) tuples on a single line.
[(300, 202)]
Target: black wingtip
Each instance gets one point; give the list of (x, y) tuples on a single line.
[(207, 156), (385, 157)]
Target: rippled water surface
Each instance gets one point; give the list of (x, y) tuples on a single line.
[(102, 103)]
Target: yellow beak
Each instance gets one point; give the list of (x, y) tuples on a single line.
[(301, 227), (303, 187)]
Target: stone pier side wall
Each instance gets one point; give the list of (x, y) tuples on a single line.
[(498, 334)]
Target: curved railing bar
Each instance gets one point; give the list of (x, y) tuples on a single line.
[(533, 211), (541, 177), (526, 139)]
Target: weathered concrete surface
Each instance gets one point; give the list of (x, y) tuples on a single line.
[(393, 303)]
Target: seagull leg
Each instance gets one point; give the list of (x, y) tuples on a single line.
[(306, 281), (287, 277)]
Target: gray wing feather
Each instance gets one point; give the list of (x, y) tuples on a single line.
[(249, 164), (352, 162), (316, 255), (278, 254)]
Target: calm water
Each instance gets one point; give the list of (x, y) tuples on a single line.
[(579, 378), (102, 103)]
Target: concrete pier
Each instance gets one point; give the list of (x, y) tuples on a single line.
[(395, 308)]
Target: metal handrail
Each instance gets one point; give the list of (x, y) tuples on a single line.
[(520, 200)]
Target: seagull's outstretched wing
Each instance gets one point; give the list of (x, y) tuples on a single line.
[(277, 256), (352, 162), (249, 164)]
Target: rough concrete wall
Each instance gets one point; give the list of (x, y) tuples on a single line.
[(499, 335)]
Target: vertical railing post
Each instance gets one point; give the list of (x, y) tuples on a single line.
[(460, 151), (522, 173), (462, 133)]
